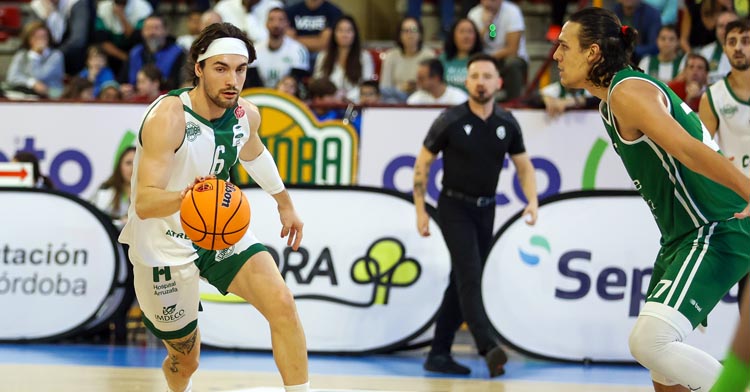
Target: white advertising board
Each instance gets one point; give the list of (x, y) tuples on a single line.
[(76, 143), (57, 264), (363, 279), (571, 286), (570, 152)]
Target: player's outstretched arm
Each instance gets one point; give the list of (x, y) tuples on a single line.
[(638, 105), (259, 163), (421, 174), (161, 135)]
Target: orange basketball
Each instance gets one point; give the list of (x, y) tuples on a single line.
[(215, 214)]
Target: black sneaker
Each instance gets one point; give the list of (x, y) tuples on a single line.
[(444, 364), (496, 360)]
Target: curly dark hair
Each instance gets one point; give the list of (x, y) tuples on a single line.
[(208, 35), (602, 27)]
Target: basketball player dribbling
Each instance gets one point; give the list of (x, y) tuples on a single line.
[(186, 136), (697, 197)]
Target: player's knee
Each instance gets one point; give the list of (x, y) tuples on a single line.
[(640, 344), (284, 310), (649, 338)]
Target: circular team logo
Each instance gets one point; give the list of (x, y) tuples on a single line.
[(239, 111), (203, 187), (192, 130)]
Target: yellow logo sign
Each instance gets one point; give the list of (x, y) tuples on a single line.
[(306, 151)]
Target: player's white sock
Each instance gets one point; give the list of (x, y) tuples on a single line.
[(298, 388), (188, 388), (656, 342)]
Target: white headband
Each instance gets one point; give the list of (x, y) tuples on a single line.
[(224, 46)]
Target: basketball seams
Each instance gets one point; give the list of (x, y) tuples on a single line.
[(200, 208), (229, 220)]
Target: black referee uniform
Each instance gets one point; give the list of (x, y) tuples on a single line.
[(473, 154)]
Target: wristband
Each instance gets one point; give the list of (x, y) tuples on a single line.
[(264, 172)]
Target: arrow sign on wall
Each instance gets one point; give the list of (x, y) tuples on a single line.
[(16, 174)]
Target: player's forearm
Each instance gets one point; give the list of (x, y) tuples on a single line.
[(421, 174), (283, 200), (717, 168), (152, 202)]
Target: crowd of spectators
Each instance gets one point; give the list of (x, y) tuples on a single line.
[(123, 50)]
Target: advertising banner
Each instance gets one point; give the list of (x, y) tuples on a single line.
[(306, 151), (363, 279), (571, 286), (570, 152), (77, 144), (58, 265)]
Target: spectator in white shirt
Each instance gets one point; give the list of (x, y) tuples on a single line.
[(278, 56), (432, 87), (399, 71), (249, 15)]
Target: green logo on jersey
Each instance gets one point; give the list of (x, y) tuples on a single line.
[(728, 110), (192, 130)]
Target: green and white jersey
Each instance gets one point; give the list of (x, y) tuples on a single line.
[(208, 147), (680, 199), (733, 116)]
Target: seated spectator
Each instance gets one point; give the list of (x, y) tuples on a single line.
[(344, 62), (369, 92), (667, 10), (693, 85), (36, 68), (646, 20), (113, 199), (718, 62), (40, 180), (312, 23), (288, 85), (432, 89), (70, 23), (97, 71), (158, 48), (110, 92), (698, 23), (193, 27), (323, 94), (399, 69), (113, 196), (79, 89), (664, 66), (557, 99), (249, 15), (117, 30), (148, 84), (502, 27), (278, 56), (462, 42)]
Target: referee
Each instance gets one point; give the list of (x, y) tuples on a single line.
[(474, 138)]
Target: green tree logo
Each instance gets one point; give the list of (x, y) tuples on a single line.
[(385, 266)]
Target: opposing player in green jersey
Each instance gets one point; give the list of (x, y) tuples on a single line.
[(697, 197), (186, 135)]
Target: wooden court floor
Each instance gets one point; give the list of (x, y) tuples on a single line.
[(71, 378)]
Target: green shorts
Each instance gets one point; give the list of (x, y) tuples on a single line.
[(693, 274), (169, 296)]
